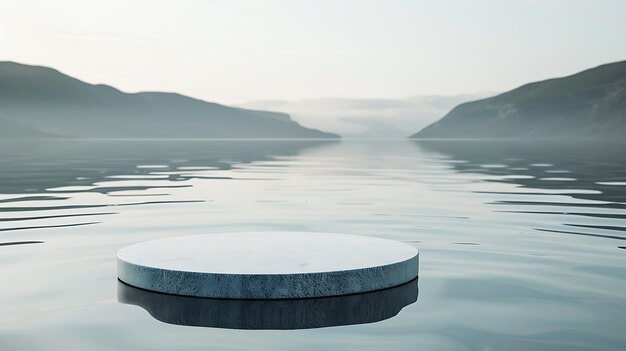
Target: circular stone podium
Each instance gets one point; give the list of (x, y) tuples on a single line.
[(267, 265)]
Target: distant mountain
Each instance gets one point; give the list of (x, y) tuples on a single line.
[(13, 130), (589, 104), (367, 118), (42, 102)]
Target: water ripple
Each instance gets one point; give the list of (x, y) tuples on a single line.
[(583, 234), (48, 226), (20, 243), (55, 216)]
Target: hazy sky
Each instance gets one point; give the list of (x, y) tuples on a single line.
[(233, 51)]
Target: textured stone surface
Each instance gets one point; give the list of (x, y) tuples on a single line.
[(267, 265)]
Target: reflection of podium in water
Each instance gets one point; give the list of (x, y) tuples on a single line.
[(272, 314)]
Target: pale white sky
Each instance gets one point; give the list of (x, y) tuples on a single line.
[(232, 51)]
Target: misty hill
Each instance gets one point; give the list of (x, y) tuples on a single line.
[(42, 102), (367, 118), (588, 104), (12, 130)]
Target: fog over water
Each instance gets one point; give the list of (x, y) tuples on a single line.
[(368, 118)]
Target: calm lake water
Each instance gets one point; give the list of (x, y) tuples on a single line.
[(522, 245)]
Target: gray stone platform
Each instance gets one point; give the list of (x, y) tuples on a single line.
[(267, 265)]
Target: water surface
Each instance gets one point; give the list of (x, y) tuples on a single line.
[(521, 244)]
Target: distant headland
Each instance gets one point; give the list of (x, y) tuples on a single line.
[(40, 102)]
